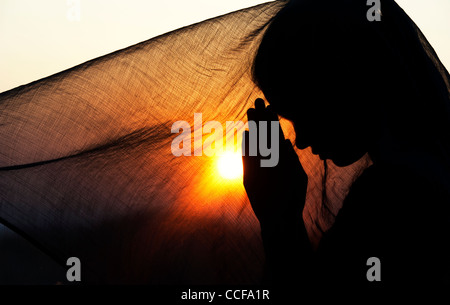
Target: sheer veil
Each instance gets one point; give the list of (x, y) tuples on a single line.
[(86, 167)]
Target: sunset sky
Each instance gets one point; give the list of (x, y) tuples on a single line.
[(40, 38)]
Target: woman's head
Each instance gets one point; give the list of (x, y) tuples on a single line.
[(342, 79)]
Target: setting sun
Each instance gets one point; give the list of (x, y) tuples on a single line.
[(230, 165)]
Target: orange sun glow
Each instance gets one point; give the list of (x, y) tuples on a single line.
[(229, 165)]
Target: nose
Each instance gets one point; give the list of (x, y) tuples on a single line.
[(301, 142)]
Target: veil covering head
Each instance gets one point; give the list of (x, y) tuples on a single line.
[(318, 54), (87, 171)]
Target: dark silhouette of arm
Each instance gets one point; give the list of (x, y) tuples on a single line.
[(277, 196)]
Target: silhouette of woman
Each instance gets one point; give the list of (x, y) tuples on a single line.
[(351, 87)]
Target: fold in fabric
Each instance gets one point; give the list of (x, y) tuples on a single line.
[(86, 168)]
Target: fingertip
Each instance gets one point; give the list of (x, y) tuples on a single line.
[(245, 143), (260, 104)]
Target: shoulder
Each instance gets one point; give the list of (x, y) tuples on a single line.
[(395, 214), (396, 189), (392, 198)]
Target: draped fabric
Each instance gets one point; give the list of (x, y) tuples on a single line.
[(87, 171)]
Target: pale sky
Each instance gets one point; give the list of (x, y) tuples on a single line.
[(40, 38)]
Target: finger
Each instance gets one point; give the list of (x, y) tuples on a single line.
[(259, 104), (271, 116), (263, 116), (249, 162), (249, 152), (245, 143), (274, 117), (271, 113), (251, 114), (252, 125), (260, 113)]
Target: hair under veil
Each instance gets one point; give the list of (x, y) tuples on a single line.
[(86, 167)]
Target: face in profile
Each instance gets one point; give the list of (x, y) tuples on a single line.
[(332, 141), (332, 75), (337, 130)]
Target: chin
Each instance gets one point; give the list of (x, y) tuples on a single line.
[(343, 163), (346, 159)]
